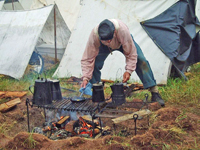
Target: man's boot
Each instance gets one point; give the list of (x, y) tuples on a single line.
[(156, 97)]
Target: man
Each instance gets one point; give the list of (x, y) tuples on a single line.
[(112, 35)]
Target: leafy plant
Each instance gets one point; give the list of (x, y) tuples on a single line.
[(30, 142), (166, 147)]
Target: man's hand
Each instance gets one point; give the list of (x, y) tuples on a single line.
[(84, 83), (126, 77)]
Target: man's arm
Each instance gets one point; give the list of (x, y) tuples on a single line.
[(129, 49), (88, 58)]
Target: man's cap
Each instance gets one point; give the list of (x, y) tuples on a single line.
[(106, 30)]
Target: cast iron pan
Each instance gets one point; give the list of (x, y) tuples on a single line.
[(78, 99)]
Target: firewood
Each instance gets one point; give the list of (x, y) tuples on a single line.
[(89, 118), (140, 86), (70, 126), (109, 81), (96, 131), (15, 94), (8, 105), (63, 120), (140, 113), (2, 93), (106, 128), (12, 94)]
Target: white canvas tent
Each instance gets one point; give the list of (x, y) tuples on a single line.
[(132, 12), (12, 5), (22, 31), (69, 9), (1, 4), (22, 4)]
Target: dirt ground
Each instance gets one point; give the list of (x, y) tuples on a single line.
[(164, 127)]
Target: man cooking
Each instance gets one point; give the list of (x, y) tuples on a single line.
[(108, 36)]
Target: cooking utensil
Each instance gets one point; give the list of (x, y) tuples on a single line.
[(79, 98), (98, 93), (55, 89), (118, 96), (45, 91), (42, 94)]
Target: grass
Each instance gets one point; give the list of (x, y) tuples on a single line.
[(4, 127), (176, 92), (30, 142), (11, 84)]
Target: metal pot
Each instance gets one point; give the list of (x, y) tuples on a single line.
[(45, 91), (42, 92), (98, 93), (55, 89), (118, 96)]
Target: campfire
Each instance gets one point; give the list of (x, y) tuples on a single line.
[(65, 127)]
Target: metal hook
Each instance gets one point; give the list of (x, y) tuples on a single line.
[(146, 97), (119, 74), (135, 117)]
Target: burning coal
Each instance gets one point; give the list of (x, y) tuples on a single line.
[(62, 124)]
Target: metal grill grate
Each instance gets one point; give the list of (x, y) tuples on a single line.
[(67, 105)]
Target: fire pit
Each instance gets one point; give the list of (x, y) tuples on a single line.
[(66, 126), (66, 104)]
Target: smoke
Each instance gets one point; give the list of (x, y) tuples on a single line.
[(56, 114)]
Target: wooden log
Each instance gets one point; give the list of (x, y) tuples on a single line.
[(89, 118), (106, 128), (140, 86), (96, 131), (63, 120), (107, 115), (140, 113), (15, 94), (105, 80), (2, 93), (8, 105), (70, 127)]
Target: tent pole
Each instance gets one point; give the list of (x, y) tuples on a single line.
[(12, 5), (55, 34)]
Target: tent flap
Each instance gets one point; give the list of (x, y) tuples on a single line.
[(174, 32)]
